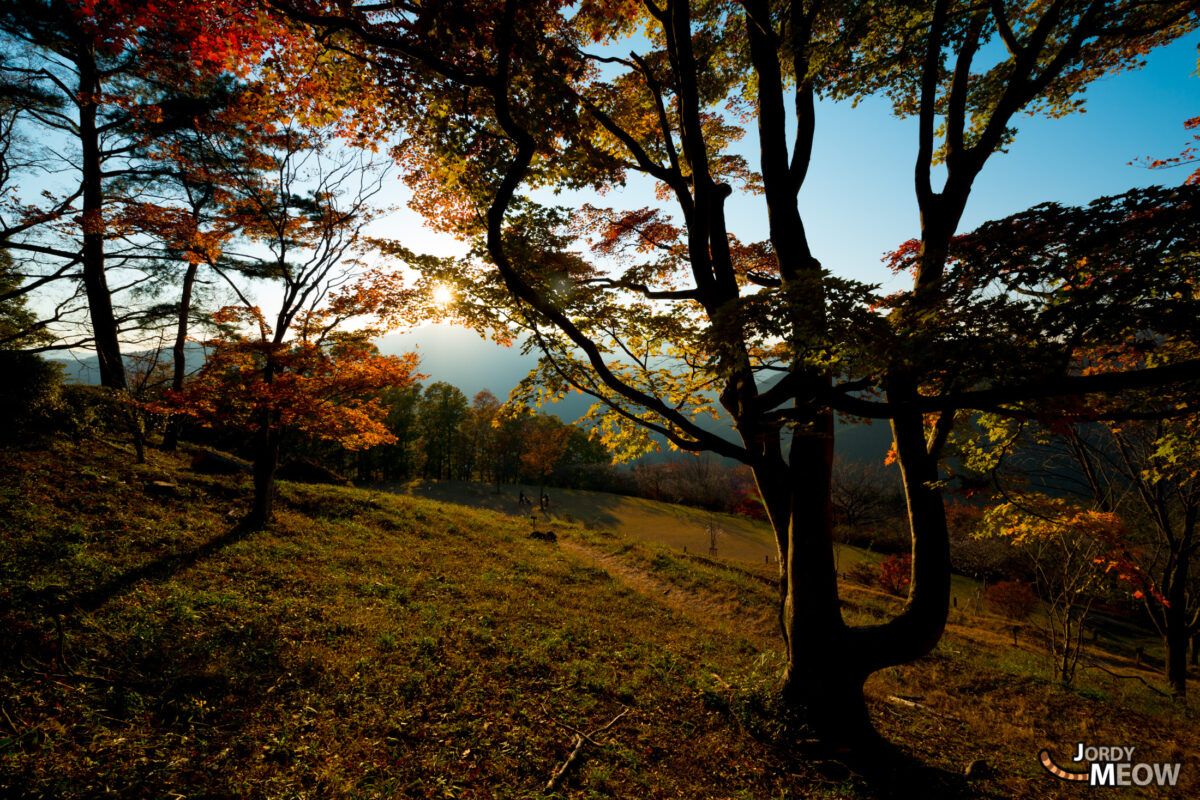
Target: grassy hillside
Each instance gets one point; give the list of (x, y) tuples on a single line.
[(374, 645), (676, 527)]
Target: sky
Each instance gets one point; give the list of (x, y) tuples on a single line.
[(858, 200)]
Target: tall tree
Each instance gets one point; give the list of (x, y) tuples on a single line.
[(1131, 262), (206, 139), (301, 216), (90, 79), (546, 445), (669, 311), (482, 426)]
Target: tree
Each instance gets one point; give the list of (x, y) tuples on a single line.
[(864, 492), (1013, 599), (483, 424), (442, 413), (20, 327), (1145, 471), (669, 315), (1188, 156), (546, 445), (205, 141), (91, 81), (1160, 462), (1132, 252), (395, 460), (301, 370), (586, 462), (1072, 550)]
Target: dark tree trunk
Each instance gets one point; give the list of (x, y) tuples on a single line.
[(772, 481), (179, 353), (827, 661), (919, 627), (92, 260), (266, 460), (824, 673), (104, 326), (1177, 631)]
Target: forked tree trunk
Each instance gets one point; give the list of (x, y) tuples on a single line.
[(823, 674), (828, 662)]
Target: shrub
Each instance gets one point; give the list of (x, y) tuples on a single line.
[(895, 573), (30, 395), (90, 411), (1012, 599)]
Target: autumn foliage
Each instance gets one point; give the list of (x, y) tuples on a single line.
[(895, 574), (324, 391)]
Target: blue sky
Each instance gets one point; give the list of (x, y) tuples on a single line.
[(858, 200)]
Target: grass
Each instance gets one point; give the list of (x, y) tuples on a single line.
[(673, 525), (377, 645)]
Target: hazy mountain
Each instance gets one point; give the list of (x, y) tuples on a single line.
[(464, 359)]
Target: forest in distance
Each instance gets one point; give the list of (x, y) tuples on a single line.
[(268, 552)]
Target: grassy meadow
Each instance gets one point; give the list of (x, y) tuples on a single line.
[(379, 645)]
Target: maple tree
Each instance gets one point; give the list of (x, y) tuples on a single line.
[(301, 217), (1123, 270), (895, 574), (668, 315), (1159, 465), (1189, 155), (1145, 471)]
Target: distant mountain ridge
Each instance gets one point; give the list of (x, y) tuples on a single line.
[(462, 358)]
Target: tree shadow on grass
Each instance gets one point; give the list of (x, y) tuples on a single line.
[(895, 774), (878, 769), (177, 693), (156, 571), (884, 772)]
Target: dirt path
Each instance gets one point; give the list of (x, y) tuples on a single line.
[(709, 609)]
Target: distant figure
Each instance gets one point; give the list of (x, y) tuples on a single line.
[(524, 501), (545, 500)]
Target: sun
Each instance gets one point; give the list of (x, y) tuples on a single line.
[(442, 295)]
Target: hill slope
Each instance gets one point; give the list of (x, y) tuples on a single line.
[(373, 645)]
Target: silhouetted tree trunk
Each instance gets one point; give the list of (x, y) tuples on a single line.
[(266, 461), (1177, 632), (179, 353), (104, 326)]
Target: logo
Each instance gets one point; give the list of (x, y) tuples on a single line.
[(1112, 766)]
